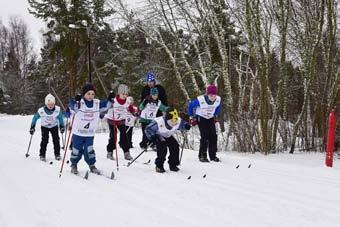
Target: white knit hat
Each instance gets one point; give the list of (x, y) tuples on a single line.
[(49, 99), (123, 89)]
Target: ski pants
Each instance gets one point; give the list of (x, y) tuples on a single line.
[(162, 147), (208, 138), (129, 135), (83, 146), (44, 140), (145, 139), (123, 138)]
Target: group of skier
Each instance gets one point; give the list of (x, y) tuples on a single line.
[(158, 120)]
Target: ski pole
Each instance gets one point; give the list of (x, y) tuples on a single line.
[(65, 148), (180, 157), (115, 131), (29, 145), (64, 138), (129, 163)]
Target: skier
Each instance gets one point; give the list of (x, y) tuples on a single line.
[(149, 108), (116, 117), (161, 131), (151, 83), (87, 110), (50, 116), (204, 111), (131, 119)]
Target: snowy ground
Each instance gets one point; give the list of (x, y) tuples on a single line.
[(277, 190)]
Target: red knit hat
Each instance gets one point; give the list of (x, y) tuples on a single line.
[(211, 90)]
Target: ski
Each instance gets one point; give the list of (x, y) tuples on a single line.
[(110, 177)]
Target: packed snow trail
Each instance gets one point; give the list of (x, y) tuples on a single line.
[(278, 190)]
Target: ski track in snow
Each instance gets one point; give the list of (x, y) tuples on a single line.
[(277, 190)]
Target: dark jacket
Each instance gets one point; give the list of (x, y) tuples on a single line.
[(161, 94)]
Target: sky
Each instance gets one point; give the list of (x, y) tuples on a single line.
[(19, 8)]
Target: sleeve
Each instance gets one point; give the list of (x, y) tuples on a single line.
[(182, 125), (151, 130), (218, 110), (162, 95), (35, 119), (61, 119), (144, 93), (163, 108), (192, 107), (142, 105)]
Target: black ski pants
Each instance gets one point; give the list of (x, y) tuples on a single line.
[(44, 140), (208, 138), (123, 138), (162, 148)]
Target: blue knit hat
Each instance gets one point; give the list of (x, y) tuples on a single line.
[(150, 77)]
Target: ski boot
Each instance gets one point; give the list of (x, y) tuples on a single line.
[(42, 158), (74, 169), (127, 156), (174, 168), (94, 169), (110, 155), (160, 169)]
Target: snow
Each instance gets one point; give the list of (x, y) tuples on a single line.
[(277, 190)]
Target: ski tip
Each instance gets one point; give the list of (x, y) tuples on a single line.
[(249, 165), (189, 177), (237, 166), (112, 175), (204, 176)]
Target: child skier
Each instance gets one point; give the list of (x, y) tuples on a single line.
[(149, 108), (116, 117), (161, 131), (204, 111), (130, 120), (50, 116), (87, 110)]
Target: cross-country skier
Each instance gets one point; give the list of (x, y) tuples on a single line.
[(204, 111), (161, 131), (116, 117), (87, 111), (149, 108), (50, 116)]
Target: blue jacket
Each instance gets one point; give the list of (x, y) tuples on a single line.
[(192, 106)]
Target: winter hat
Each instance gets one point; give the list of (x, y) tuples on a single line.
[(123, 89), (88, 87), (211, 90), (49, 99), (153, 91), (171, 114), (150, 77)]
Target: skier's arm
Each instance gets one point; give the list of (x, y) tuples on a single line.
[(163, 108), (61, 120), (192, 107), (184, 126), (218, 110), (35, 119), (151, 130)]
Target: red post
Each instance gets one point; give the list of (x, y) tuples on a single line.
[(330, 139)]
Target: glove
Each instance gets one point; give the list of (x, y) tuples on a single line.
[(77, 98), (131, 109), (111, 96), (67, 112), (193, 121), (32, 130), (187, 126), (62, 129)]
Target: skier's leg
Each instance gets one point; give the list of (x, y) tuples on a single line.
[(44, 141), (89, 155), (204, 132), (56, 141), (174, 152), (112, 143), (78, 149), (212, 140)]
